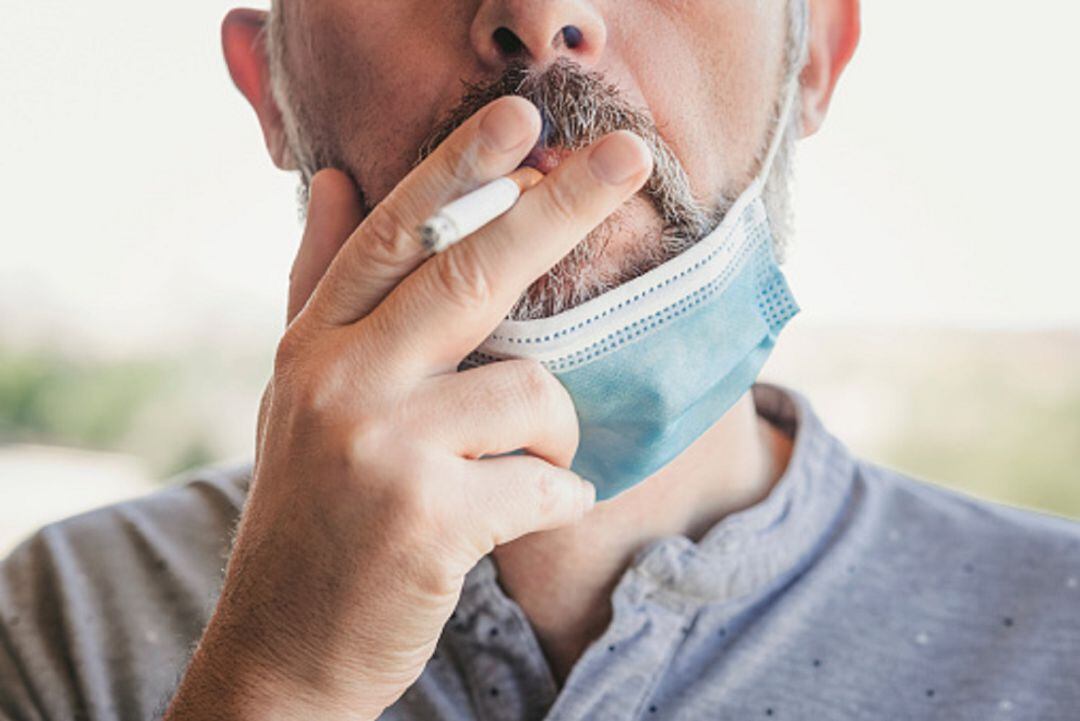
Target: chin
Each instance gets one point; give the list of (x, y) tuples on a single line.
[(628, 243)]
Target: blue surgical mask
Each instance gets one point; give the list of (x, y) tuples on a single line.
[(654, 363)]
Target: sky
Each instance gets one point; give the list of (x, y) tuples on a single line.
[(140, 212)]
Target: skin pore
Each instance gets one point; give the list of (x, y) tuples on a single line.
[(363, 86)]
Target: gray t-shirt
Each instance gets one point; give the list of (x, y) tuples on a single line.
[(851, 592)]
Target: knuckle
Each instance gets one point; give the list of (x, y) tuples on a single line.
[(292, 356), (462, 278), (538, 390), (386, 239), (317, 379), (560, 202), (534, 383), (547, 489), (310, 404), (366, 442), (461, 162), (288, 351)]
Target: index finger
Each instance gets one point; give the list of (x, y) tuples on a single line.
[(449, 305), (384, 248)]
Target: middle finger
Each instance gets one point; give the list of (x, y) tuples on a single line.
[(452, 302), (384, 248)]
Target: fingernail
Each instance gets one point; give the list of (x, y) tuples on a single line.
[(505, 127), (619, 157)]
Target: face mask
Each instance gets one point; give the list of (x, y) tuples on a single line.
[(654, 363)]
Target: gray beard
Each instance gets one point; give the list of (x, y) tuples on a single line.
[(578, 107)]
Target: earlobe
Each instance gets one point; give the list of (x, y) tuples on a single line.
[(244, 47), (834, 34)]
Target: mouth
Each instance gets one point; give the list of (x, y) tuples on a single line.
[(544, 158)]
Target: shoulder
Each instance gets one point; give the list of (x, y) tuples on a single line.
[(932, 516), (121, 591), (896, 522), (163, 532), (975, 599), (995, 579)]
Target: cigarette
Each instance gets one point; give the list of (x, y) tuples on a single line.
[(466, 215)]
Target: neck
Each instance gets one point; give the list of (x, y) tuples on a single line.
[(566, 593)]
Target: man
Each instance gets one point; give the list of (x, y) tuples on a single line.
[(397, 556)]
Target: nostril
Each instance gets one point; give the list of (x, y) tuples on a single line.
[(573, 36), (508, 43)]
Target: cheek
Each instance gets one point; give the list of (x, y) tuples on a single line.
[(710, 71), (368, 90)]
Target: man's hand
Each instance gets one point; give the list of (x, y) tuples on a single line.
[(374, 492)]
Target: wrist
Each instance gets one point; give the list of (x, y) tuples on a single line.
[(229, 679)]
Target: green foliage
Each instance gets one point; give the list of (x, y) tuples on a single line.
[(50, 398), (995, 415), (996, 429), (196, 453)]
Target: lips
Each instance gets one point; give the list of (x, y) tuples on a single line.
[(545, 159)]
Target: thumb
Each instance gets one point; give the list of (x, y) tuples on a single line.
[(334, 212)]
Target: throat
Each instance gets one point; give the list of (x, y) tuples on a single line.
[(563, 580), (563, 591)]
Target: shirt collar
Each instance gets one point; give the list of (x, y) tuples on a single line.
[(746, 551)]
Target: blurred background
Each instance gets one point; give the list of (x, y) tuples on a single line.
[(146, 241)]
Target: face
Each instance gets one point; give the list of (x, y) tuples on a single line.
[(371, 87)]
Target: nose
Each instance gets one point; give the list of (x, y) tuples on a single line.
[(537, 32)]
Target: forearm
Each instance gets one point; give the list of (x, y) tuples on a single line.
[(229, 679)]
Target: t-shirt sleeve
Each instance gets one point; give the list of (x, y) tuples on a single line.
[(33, 681), (98, 613), (16, 702)]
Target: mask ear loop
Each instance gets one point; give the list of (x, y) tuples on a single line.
[(791, 86), (536, 331), (777, 140)]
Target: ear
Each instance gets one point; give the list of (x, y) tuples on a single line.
[(834, 34), (244, 44)]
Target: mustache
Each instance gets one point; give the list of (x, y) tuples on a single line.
[(577, 107)]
